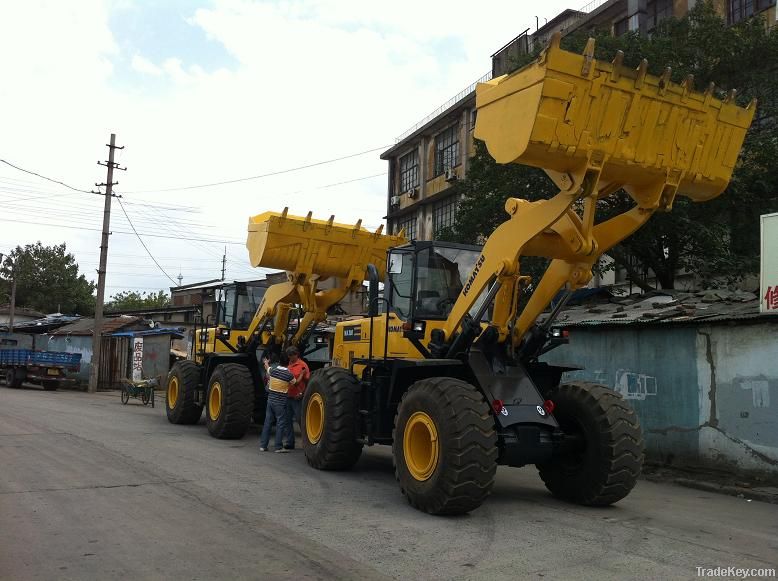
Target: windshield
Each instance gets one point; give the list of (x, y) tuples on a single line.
[(239, 306), (441, 273)]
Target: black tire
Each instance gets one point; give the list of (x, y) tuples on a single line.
[(144, 396), (335, 421), (125, 395), (14, 378), (49, 385), (607, 468), (465, 463), (233, 416), (184, 410)]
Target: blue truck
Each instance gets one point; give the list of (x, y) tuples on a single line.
[(47, 368)]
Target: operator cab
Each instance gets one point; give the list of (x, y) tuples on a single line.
[(424, 279), (238, 303)]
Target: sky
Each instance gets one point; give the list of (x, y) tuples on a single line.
[(204, 91)]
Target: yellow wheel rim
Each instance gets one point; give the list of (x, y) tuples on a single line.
[(172, 392), (314, 418), (215, 401), (421, 446)]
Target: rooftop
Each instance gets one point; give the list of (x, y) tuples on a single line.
[(663, 307), (86, 326)]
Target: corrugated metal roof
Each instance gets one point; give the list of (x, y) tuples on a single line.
[(86, 326), (150, 332), (666, 307)]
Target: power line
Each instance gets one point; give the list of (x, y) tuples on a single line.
[(257, 177), (143, 243), (234, 242), (8, 163)]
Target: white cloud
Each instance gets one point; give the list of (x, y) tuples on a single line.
[(143, 65)]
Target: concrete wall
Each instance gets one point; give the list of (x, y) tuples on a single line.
[(703, 393)]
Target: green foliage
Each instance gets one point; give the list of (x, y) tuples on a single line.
[(47, 280), (126, 300), (711, 239)]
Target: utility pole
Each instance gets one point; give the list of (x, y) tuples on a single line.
[(94, 373), (12, 307), (224, 262)]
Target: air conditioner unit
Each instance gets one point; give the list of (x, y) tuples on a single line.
[(451, 175), (394, 200), (413, 192)]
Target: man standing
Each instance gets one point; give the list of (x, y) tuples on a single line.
[(280, 379), (294, 401)]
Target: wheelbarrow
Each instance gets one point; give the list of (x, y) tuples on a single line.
[(142, 390)]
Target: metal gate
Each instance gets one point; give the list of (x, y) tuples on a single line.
[(114, 362)]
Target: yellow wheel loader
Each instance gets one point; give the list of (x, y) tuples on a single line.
[(446, 368), (223, 378)]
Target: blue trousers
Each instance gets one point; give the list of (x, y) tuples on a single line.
[(275, 411), (294, 409)]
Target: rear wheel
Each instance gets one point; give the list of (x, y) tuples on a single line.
[(445, 446), (14, 378), (329, 422), (49, 385), (607, 467), (182, 384), (230, 401)]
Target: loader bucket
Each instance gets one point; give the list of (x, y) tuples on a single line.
[(567, 111), (310, 246)]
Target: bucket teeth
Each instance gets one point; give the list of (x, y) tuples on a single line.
[(664, 80), (588, 54), (642, 69), (752, 104), (688, 85), (555, 40), (618, 60), (730, 98)]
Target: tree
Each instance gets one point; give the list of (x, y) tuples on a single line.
[(127, 300), (710, 239), (47, 280)]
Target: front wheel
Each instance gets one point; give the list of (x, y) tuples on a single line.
[(230, 401), (125, 395), (182, 383), (445, 446), (606, 466), (329, 419)]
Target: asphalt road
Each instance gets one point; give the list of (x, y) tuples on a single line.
[(91, 489)]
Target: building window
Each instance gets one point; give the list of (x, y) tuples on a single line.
[(409, 171), (657, 11), (620, 27), (473, 116), (409, 224), (446, 150), (739, 10), (443, 214)]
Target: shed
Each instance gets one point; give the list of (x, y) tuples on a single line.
[(148, 353)]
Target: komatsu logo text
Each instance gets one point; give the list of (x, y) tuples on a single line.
[(473, 275)]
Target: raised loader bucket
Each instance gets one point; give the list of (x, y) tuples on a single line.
[(309, 246), (568, 111)]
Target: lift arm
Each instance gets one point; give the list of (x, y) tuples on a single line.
[(595, 128)]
